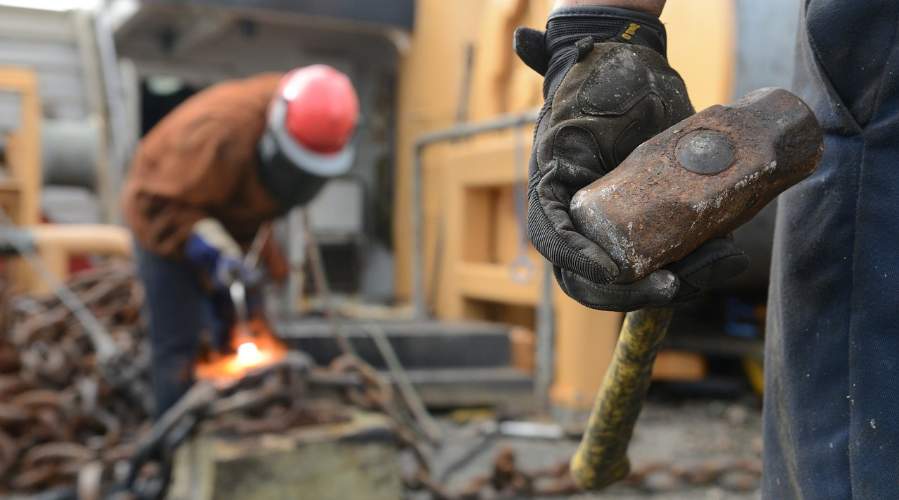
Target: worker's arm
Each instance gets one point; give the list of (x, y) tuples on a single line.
[(607, 88), (653, 7)]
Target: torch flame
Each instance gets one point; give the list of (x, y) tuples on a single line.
[(248, 354), (254, 347)]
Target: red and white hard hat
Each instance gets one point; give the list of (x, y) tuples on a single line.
[(313, 117)]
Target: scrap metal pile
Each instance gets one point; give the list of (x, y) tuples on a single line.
[(58, 414), (73, 426)]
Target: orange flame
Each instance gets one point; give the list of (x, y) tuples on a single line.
[(254, 346)]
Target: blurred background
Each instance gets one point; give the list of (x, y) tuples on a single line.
[(422, 241)]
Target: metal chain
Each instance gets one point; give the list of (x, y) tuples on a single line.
[(741, 475), (507, 480)]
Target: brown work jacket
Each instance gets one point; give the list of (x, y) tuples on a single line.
[(201, 161)]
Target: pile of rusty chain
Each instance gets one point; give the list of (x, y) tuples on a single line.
[(507, 480), (738, 475), (57, 413), (71, 425)]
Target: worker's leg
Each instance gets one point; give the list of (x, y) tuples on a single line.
[(175, 306), (832, 353)]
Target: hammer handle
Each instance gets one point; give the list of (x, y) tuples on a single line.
[(601, 459)]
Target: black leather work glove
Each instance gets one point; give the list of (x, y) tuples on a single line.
[(607, 89)]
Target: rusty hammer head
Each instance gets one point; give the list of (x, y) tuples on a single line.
[(700, 179)]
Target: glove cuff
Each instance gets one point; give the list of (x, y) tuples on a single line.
[(566, 26)]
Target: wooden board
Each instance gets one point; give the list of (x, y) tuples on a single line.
[(23, 155), (430, 83)]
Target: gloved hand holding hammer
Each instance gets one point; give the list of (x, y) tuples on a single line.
[(607, 89), (632, 196)]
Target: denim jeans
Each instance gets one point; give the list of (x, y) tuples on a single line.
[(177, 309)]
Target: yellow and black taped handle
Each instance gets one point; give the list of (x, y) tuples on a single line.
[(601, 459)]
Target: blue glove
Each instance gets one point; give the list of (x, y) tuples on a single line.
[(201, 254), (222, 269)]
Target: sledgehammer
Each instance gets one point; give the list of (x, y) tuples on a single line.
[(700, 179)]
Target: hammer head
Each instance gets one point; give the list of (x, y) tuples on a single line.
[(700, 179)]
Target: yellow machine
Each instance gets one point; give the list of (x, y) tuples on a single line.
[(475, 261)]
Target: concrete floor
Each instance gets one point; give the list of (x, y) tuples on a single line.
[(685, 433)]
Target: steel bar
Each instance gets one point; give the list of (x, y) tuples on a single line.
[(401, 379), (545, 342), (321, 282)]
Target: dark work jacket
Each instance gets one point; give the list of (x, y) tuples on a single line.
[(831, 417)]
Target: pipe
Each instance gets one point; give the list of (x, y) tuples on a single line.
[(72, 239), (421, 144), (545, 330)]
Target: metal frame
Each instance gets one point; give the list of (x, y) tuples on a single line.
[(419, 301), (545, 310)]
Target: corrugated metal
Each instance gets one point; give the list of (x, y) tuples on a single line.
[(46, 41)]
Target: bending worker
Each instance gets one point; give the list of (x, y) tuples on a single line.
[(832, 341), (207, 177)]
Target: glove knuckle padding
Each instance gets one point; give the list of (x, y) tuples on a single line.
[(619, 77), (622, 95), (577, 157)]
